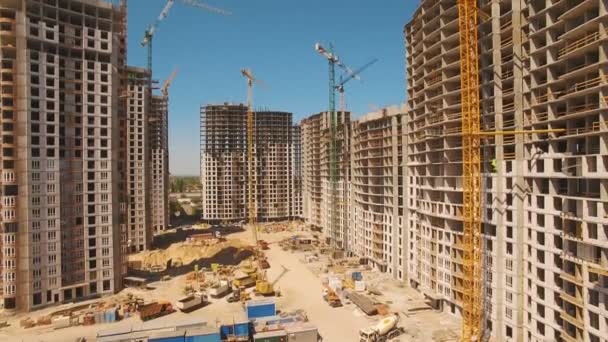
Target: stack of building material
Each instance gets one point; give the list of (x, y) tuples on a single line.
[(363, 302)]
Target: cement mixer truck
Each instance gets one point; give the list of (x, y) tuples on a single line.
[(384, 330)]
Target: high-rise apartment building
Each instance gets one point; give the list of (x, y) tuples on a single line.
[(377, 230), (542, 66), (224, 167), (159, 163), (61, 223), (138, 146), (316, 188)]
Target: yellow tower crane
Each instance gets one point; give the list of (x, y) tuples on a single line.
[(472, 308), (165, 89), (251, 175)]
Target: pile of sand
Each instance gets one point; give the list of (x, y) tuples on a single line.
[(184, 253)]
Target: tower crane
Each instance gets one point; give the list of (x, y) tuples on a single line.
[(472, 307), (149, 33), (165, 89), (251, 177), (350, 76), (333, 60)]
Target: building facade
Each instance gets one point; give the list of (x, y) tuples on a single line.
[(224, 167), (542, 66), (61, 224), (377, 224), (316, 188), (159, 163), (138, 155)]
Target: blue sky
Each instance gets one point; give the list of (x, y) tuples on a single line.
[(276, 39)]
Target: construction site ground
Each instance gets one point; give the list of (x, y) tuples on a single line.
[(301, 289)]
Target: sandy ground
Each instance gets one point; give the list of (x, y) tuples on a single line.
[(301, 289)]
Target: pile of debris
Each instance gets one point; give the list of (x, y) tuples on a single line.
[(185, 253), (107, 310)]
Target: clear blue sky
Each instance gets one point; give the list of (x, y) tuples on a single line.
[(276, 39)]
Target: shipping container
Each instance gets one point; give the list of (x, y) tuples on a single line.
[(238, 329), (302, 333), (168, 336), (203, 335), (260, 308), (271, 336)]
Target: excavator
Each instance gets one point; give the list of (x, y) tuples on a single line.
[(266, 288)]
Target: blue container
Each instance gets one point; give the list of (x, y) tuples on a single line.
[(357, 276), (240, 329), (170, 336), (203, 335), (262, 308)]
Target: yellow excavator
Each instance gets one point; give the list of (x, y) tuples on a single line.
[(266, 288)]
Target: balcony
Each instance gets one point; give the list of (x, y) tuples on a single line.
[(578, 44)]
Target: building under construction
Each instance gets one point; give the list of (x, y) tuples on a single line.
[(158, 129), (377, 230), (62, 210), (224, 166), (316, 190), (545, 195), (139, 233)]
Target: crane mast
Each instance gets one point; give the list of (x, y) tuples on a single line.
[(471, 170), (333, 158), (250, 162)]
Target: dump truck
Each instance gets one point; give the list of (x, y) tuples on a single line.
[(331, 298), (384, 330), (191, 302), (154, 310), (243, 282), (220, 289)]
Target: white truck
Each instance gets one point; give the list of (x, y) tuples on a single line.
[(220, 289), (384, 330), (191, 302)]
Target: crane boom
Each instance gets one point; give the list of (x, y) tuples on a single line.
[(354, 74), (164, 13), (165, 89)]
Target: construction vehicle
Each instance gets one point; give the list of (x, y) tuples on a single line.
[(192, 302), (243, 282), (238, 295), (155, 310), (331, 298), (385, 329), (266, 288), (220, 289)]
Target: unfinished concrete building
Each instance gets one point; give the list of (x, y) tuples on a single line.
[(61, 225), (139, 232), (542, 65), (224, 167), (316, 139), (377, 229), (159, 164)]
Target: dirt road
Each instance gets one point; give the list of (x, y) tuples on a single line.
[(303, 290)]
